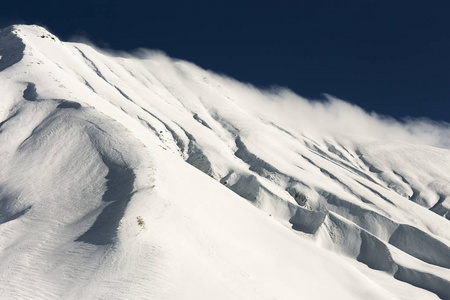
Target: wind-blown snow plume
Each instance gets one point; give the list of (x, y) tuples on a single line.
[(335, 116), (330, 115)]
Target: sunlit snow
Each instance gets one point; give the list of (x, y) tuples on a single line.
[(145, 177)]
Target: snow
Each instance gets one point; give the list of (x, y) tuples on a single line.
[(144, 177)]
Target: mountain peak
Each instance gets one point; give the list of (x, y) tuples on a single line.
[(20, 41), (27, 33), (23, 29)]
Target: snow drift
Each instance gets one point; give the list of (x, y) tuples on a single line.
[(144, 177)]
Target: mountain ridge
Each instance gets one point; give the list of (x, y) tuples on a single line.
[(123, 129)]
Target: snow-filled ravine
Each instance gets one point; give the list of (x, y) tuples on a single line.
[(146, 177)]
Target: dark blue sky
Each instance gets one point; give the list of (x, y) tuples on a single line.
[(392, 57)]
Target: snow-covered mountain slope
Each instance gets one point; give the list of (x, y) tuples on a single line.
[(149, 178)]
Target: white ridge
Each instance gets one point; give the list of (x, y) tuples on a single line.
[(145, 177)]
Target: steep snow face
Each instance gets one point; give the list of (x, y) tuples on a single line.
[(138, 178)]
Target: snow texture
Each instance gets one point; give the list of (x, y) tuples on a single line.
[(145, 177)]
